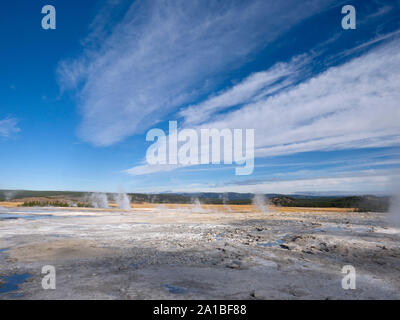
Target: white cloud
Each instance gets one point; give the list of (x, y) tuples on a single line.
[(148, 169), (368, 183), (254, 87), (355, 105), (164, 54), (352, 106), (8, 126)]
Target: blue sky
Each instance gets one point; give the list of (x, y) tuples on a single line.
[(76, 102)]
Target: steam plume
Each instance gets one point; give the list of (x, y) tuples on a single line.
[(394, 212), (197, 208), (9, 195), (260, 202), (224, 202), (123, 201), (98, 200)]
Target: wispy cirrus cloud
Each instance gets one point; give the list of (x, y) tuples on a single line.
[(148, 169), (163, 54), (8, 127), (350, 106), (367, 183), (354, 105), (252, 88), (354, 183)]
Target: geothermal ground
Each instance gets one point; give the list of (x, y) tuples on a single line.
[(193, 252)]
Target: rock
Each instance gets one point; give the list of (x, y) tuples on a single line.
[(298, 292), (234, 265), (323, 247), (258, 295)]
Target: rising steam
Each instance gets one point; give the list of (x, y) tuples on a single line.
[(225, 203), (9, 195), (197, 208), (394, 213), (260, 202), (98, 200), (123, 201)]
